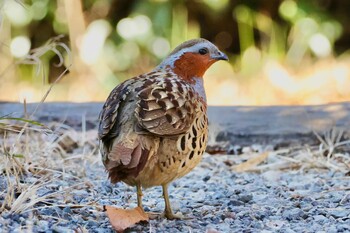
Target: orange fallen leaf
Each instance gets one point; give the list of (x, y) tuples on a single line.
[(122, 219)]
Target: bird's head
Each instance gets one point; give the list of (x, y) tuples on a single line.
[(192, 58)]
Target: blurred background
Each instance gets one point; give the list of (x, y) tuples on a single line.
[(282, 52)]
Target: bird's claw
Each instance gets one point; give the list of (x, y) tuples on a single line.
[(168, 215)]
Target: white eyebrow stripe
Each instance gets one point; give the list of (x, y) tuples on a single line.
[(193, 48)]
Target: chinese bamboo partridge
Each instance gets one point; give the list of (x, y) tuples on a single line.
[(153, 128)]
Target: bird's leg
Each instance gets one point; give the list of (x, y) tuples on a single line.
[(139, 201), (139, 195), (168, 212)]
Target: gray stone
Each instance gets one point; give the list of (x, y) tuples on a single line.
[(67, 210), (343, 227), (206, 178), (235, 203), (339, 213), (245, 198), (293, 214), (320, 218), (331, 229), (42, 225), (59, 229), (92, 223)]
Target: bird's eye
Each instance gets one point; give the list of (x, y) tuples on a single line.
[(203, 51)]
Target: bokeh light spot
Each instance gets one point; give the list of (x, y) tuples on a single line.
[(243, 13), (307, 26), (20, 46), (130, 28), (320, 45), (279, 78), (160, 47), (216, 4), (39, 9), (26, 93), (331, 29), (288, 9), (93, 41), (17, 14)]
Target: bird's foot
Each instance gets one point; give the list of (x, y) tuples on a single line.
[(172, 216), (154, 215), (168, 215)]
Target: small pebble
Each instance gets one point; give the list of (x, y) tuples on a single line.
[(206, 178), (67, 210), (235, 203), (343, 227), (339, 213), (92, 223), (59, 229), (293, 214), (42, 225), (245, 198), (320, 218)]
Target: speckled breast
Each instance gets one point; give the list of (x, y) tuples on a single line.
[(178, 156)]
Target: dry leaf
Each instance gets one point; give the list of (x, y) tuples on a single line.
[(251, 163), (122, 219)]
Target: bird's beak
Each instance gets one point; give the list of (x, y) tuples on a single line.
[(219, 56)]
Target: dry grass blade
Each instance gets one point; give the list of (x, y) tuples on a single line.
[(324, 156), (21, 119), (252, 163), (7, 125), (330, 141), (33, 58), (51, 86), (13, 170), (72, 206), (29, 198), (42, 100)]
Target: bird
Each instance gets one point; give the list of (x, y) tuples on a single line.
[(153, 128)]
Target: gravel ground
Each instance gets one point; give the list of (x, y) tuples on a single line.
[(67, 187), (216, 198)]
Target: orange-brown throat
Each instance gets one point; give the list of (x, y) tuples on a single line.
[(192, 65)]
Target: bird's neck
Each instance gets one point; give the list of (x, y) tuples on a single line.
[(198, 86), (187, 66)]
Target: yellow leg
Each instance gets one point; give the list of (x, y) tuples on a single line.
[(139, 195), (139, 202), (168, 212)]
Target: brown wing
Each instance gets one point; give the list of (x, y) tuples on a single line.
[(165, 106), (108, 123)]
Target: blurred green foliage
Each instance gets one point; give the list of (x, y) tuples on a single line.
[(132, 36)]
